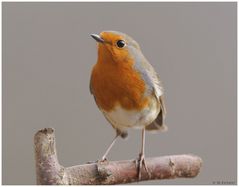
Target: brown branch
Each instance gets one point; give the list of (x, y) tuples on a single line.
[(49, 171)]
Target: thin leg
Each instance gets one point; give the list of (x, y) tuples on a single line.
[(109, 148), (141, 161), (143, 142)]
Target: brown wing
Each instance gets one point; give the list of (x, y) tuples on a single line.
[(152, 79)]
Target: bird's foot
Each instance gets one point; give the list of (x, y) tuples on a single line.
[(103, 159), (140, 162)]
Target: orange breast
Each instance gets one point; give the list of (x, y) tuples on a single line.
[(118, 83)]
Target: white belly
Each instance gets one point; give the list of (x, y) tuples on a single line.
[(122, 119)]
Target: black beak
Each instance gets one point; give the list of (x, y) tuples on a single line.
[(97, 38)]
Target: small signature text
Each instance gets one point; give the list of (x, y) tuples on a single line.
[(224, 183)]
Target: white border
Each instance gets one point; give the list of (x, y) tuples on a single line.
[(110, 1)]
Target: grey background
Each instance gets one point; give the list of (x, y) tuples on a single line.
[(47, 60)]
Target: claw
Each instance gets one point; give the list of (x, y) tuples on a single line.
[(97, 161), (92, 162)]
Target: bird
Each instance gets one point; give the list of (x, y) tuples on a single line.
[(127, 89)]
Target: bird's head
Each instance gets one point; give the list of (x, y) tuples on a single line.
[(116, 47)]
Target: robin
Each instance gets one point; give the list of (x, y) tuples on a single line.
[(126, 89)]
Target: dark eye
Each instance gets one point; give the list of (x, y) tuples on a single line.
[(120, 43)]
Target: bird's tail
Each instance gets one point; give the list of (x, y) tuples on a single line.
[(157, 124)]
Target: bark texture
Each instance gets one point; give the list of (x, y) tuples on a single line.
[(49, 171)]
